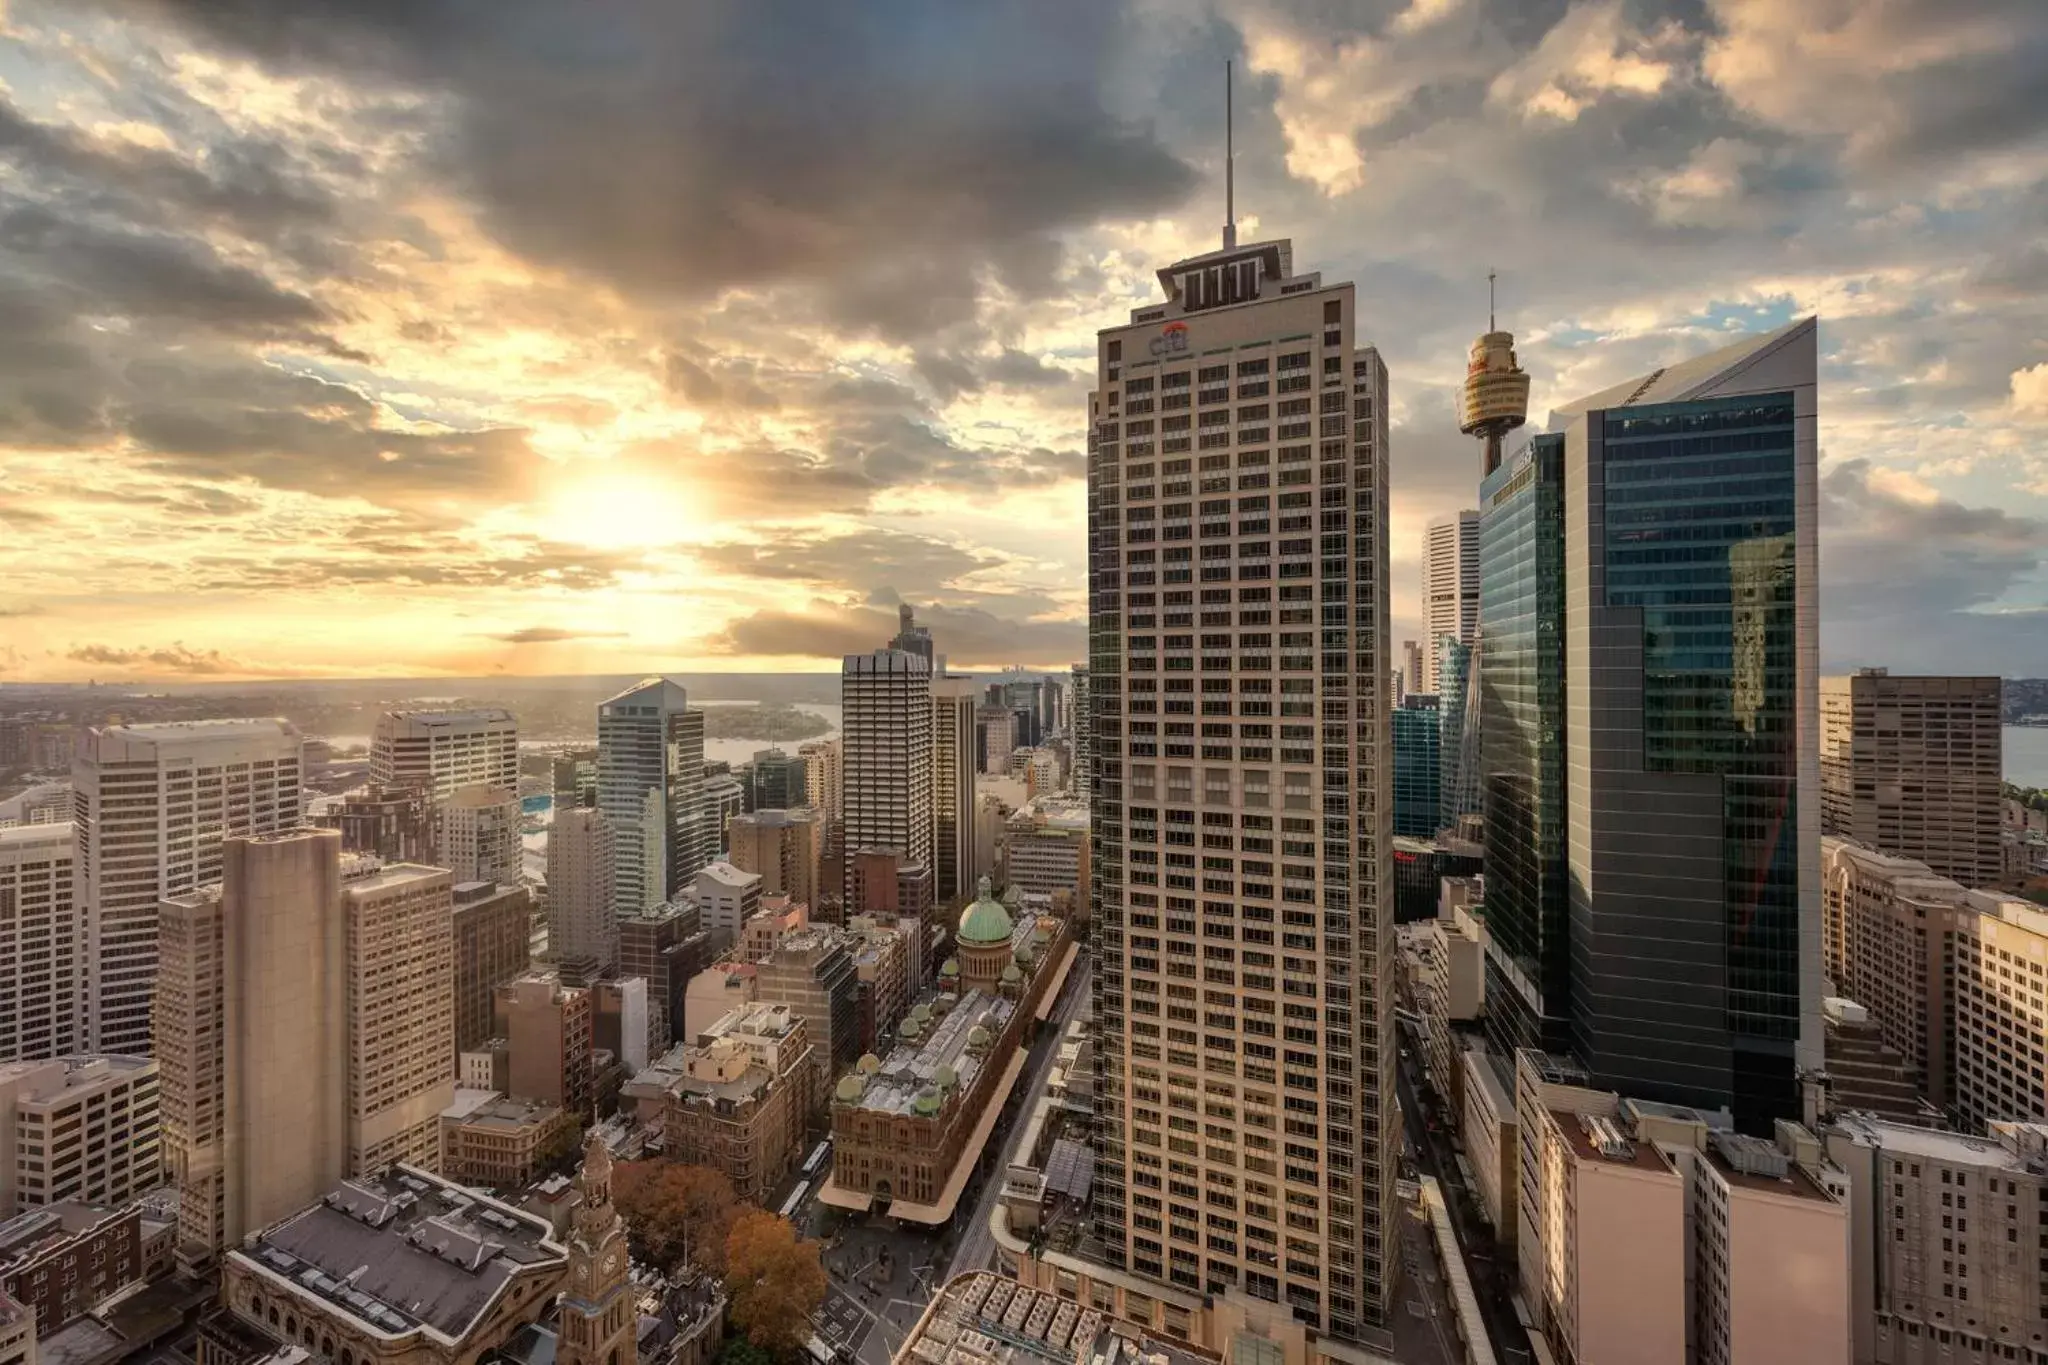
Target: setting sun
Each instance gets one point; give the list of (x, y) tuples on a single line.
[(591, 504)]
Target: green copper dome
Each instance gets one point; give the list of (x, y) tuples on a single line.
[(849, 1089), (985, 921), (950, 967), (927, 1102), (1011, 976), (979, 1037)]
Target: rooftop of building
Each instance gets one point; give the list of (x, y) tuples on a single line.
[(941, 1046), (187, 731), (33, 1232), (404, 1250), (58, 834), (758, 1019), (459, 715), (724, 874), (59, 1078), (1754, 1163), (2020, 1149), (389, 876), (480, 795), (487, 1109), (1718, 371), (1607, 1141), (982, 1318)]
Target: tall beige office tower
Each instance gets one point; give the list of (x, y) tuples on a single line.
[(401, 1014), (252, 1035), (1243, 998), (824, 764), (154, 803), (953, 707), (1911, 765), (583, 929), (476, 835), (1450, 588), (441, 752), (885, 707), (780, 846), (39, 943)]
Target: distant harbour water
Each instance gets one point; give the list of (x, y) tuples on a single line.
[(2026, 755)]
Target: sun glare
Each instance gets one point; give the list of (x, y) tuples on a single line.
[(615, 510)]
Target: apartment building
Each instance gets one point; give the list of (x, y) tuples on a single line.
[(550, 1029), (40, 942), (400, 923), (1911, 765)]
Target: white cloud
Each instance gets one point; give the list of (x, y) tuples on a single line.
[(1591, 53), (2030, 392)]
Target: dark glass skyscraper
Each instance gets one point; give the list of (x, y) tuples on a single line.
[(1522, 724), (1418, 758), (1691, 731)]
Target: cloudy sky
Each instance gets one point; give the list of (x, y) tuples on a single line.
[(360, 337)]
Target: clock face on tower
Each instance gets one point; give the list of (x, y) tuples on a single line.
[(614, 1261)]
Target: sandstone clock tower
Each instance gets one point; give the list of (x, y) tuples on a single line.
[(598, 1318)]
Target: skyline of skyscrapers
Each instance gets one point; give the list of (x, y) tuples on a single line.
[(1239, 415)]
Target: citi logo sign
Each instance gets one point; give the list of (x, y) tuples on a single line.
[(1172, 339)]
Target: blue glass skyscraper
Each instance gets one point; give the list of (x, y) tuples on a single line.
[(1691, 729), (1522, 734), (1418, 777)]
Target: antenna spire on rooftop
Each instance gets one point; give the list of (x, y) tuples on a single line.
[(1229, 167), (1490, 275)]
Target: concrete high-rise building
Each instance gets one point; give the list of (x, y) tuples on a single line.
[(40, 943), (1450, 589), (650, 786), (551, 1031), (154, 803), (1081, 724), (885, 707), (441, 752), (782, 847), (1522, 736), (1414, 668), (727, 898), (1945, 1239), (995, 737), (401, 1014), (1948, 975), (1911, 765), (477, 836), (583, 925), (824, 769), (252, 1031), (1692, 755), (812, 971), (725, 798), (953, 869), (493, 945), (1241, 407), (394, 823), (79, 1128), (573, 774)]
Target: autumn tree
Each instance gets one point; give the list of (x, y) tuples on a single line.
[(676, 1215), (773, 1281)]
